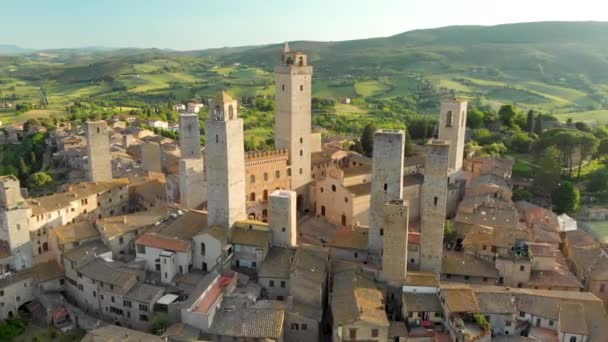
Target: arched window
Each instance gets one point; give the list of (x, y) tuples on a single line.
[(301, 153), (573, 339), (265, 195), (449, 119), (230, 112), (301, 87), (252, 196), (322, 190), (202, 248), (333, 188), (301, 61), (97, 130)]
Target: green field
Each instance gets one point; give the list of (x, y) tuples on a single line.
[(370, 88), (593, 116), (12, 117), (600, 229)]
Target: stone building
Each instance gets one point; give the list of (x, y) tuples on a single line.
[(394, 256), (84, 201), (452, 128), (387, 180), (151, 156), (225, 164), (265, 172), (98, 151), (433, 208), (282, 220), (192, 184), (189, 136), (14, 223), (293, 81)]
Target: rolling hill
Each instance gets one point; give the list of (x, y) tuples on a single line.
[(557, 67)]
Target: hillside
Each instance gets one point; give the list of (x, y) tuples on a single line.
[(557, 67)]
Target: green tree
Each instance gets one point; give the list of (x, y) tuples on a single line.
[(530, 121), (367, 139), (602, 149), (521, 142), (37, 180), (449, 234), (24, 170), (598, 181), (508, 115), (475, 118), (587, 144), (159, 323), (549, 170), (566, 198), (538, 124), (600, 132), (483, 136)]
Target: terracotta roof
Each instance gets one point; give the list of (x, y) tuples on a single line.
[(185, 226), (78, 231), (421, 302), (421, 279), (264, 319), (308, 274), (459, 299), (464, 264), (570, 321), (542, 250), (113, 333), (356, 298), (350, 239), (119, 225), (156, 240), (250, 237), (277, 263), (317, 158), (496, 303), (366, 188)]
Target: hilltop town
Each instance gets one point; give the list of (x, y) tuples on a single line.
[(155, 239)]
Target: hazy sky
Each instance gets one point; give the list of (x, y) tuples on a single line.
[(198, 24)]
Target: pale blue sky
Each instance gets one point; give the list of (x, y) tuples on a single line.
[(199, 24)]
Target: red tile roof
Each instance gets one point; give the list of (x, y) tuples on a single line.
[(163, 242)]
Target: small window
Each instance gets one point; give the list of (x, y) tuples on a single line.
[(508, 324), (322, 190), (333, 188), (301, 140), (345, 199), (217, 139), (352, 333), (449, 119), (282, 283), (282, 87), (522, 268), (304, 326), (522, 314), (277, 174), (435, 200), (573, 339), (282, 229), (550, 323), (271, 283), (385, 186), (301, 88), (381, 232), (301, 153), (375, 332), (301, 171), (265, 176)]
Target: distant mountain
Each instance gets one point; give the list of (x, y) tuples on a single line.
[(6, 49)]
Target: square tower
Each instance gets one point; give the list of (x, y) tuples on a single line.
[(293, 84), (282, 218), (434, 202), (225, 155), (394, 256), (452, 128), (98, 151), (151, 156), (387, 180), (189, 136), (14, 222), (192, 186)]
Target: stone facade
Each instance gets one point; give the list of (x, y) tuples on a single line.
[(225, 164), (452, 128), (434, 202), (192, 184), (189, 136), (98, 151), (265, 172), (14, 222), (387, 180), (150, 157), (282, 219), (293, 82), (394, 256)]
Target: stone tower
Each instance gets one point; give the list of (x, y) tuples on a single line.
[(151, 157), (98, 151), (394, 256), (293, 82), (282, 218), (434, 202), (14, 223), (192, 185), (452, 128), (225, 163), (189, 136), (387, 180)]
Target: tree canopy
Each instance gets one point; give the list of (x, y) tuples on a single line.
[(566, 198)]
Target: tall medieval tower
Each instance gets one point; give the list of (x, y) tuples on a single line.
[(387, 181), (293, 82), (225, 164), (434, 203), (452, 128), (98, 151), (394, 257), (192, 185)]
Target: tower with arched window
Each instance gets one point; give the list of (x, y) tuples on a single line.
[(225, 155), (293, 82), (452, 128), (98, 152)]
